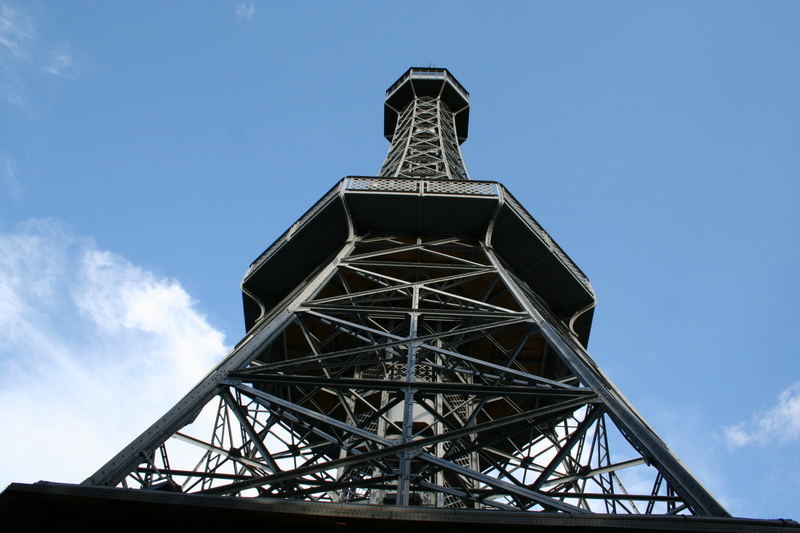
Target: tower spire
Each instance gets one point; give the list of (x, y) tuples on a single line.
[(426, 118)]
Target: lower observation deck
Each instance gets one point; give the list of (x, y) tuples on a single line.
[(481, 210)]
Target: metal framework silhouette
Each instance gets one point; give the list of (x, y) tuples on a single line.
[(416, 339)]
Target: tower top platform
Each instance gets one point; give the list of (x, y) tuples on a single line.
[(427, 81)]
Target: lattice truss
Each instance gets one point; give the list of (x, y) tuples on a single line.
[(411, 371), (424, 143)]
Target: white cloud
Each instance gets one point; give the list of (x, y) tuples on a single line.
[(245, 11), (59, 60), (17, 32), (780, 424), (93, 349)]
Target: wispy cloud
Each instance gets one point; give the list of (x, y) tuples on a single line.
[(92, 350), (244, 11), (9, 180), (25, 55), (17, 41), (17, 32), (59, 61), (780, 424)]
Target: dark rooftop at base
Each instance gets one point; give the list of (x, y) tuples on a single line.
[(62, 507)]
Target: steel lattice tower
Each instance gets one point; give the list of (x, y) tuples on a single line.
[(429, 351), (416, 339)]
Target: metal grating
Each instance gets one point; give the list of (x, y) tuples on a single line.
[(461, 187), (435, 186), (383, 185)]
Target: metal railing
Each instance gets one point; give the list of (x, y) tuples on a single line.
[(421, 72), (422, 186)]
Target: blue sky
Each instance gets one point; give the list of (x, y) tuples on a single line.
[(149, 151)]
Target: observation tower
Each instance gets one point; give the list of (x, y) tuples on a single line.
[(415, 356)]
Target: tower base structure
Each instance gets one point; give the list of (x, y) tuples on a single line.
[(408, 380), (414, 365)]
